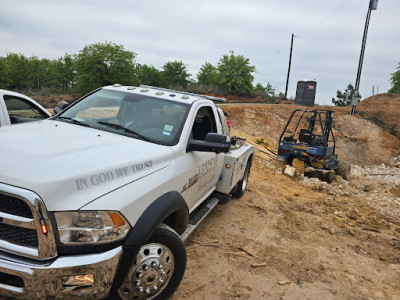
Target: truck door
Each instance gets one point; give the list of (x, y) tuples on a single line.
[(4, 120), (203, 168)]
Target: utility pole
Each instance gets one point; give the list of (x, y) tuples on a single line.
[(290, 63), (373, 4)]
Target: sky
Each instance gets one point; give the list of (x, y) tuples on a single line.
[(326, 47)]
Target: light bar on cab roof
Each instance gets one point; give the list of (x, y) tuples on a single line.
[(212, 98)]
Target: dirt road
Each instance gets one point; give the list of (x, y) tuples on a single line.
[(300, 238)]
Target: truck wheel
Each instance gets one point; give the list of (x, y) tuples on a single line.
[(240, 187), (343, 169), (159, 268)]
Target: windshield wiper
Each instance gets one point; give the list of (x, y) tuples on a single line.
[(75, 121), (127, 130)]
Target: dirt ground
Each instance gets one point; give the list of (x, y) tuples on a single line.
[(302, 238), (385, 108)]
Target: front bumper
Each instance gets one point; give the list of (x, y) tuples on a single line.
[(29, 280)]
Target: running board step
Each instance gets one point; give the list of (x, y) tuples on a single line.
[(199, 215)]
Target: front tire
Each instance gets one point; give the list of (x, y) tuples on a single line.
[(343, 169), (158, 269)]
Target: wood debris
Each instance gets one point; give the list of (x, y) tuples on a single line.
[(259, 265)]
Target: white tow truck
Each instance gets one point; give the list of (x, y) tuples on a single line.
[(17, 108), (98, 200)]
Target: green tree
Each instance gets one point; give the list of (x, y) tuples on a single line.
[(62, 72), (4, 78), (25, 73), (236, 74), (38, 72), (344, 99), (395, 80), (150, 75), (208, 75), (259, 88), (175, 74), (269, 90), (104, 64), (17, 71), (259, 91)]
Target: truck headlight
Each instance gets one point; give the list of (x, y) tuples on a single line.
[(93, 227)]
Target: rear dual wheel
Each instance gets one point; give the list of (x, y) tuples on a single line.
[(159, 267)]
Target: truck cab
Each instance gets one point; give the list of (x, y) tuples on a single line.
[(98, 200)]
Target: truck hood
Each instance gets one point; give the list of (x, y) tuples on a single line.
[(69, 165)]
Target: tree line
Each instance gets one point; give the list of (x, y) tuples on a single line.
[(107, 63)]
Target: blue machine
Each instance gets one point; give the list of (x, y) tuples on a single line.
[(308, 136)]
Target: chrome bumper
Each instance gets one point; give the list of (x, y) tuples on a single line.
[(45, 281)]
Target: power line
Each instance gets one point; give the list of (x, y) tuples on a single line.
[(317, 34), (340, 18), (325, 19), (314, 46), (279, 51)]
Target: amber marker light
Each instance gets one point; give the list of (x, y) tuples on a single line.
[(117, 220), (43, 226), (78, 280), (228, 166)]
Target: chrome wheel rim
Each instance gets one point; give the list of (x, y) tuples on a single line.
[(151, 273)]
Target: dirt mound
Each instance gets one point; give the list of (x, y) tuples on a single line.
[(50, 100), (383, 109), (358, 140), (254, 99)]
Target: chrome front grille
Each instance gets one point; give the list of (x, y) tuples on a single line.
[(14, 206), (19, 235), (21, 214)]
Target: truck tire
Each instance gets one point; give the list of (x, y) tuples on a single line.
[(159, 267), (240, 187), (343, 169)]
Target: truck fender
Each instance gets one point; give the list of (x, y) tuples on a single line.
[(156, 213), (249, 160)]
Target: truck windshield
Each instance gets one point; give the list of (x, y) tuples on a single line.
[(139, 116)]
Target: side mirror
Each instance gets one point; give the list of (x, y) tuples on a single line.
[(60, 106), (214, 142)]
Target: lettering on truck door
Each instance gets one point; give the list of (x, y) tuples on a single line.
[(204, 168)]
